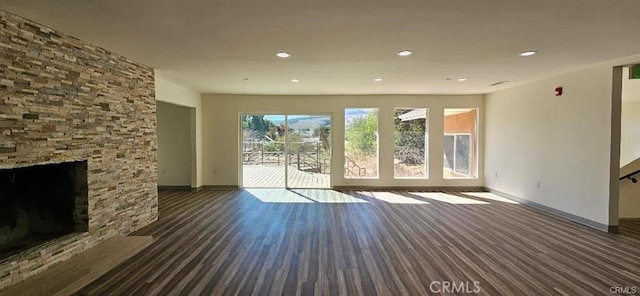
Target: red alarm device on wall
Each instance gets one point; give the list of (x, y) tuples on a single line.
[(559, 91)]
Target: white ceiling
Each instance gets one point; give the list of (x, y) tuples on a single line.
[(339, 46)]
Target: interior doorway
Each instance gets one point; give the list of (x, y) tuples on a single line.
[(176, 145), (285, 151), (629, 188)]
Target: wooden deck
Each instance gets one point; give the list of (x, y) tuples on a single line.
[(255, 242), (259, 176)]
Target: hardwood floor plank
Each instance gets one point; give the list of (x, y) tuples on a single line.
[(233, 242)]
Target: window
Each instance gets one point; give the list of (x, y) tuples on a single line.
[(460, 138), (457, 154), (361, 143), (410, 143)]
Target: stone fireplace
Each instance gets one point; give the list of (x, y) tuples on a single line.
[(41, 203), (78, 147)]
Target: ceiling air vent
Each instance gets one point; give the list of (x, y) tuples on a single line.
[(498, 83)]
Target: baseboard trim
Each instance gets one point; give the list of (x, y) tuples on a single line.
[(174, 187), (556, 212), (218, 187), (416, 188), (196, 189)]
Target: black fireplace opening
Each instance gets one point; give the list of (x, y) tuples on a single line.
[(40, 203)]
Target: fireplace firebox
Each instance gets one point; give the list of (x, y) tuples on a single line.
[(40, 203)]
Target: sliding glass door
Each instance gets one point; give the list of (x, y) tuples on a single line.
[(263, 157), (286, 151), (309, 151)]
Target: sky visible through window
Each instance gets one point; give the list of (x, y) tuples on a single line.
[(280, 118)]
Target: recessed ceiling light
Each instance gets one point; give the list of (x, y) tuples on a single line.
[(462, 79), (283, 54), (404, 53), (528, 53), (377, 79), (295, 80)]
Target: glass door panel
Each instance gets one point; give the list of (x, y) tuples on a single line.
[(263, 153), (308, 150)]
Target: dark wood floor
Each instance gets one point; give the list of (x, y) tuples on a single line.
[(630, 228), (229, 242)]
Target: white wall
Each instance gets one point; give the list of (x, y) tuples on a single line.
[(630, 192), (221, 134), (630, 146), (629, 199), (170, 92), (565, 143), (630, 133), (174, 144), (630, 88)]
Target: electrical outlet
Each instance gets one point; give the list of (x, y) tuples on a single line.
[(538, 185), (496, 175), (164, 171)]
